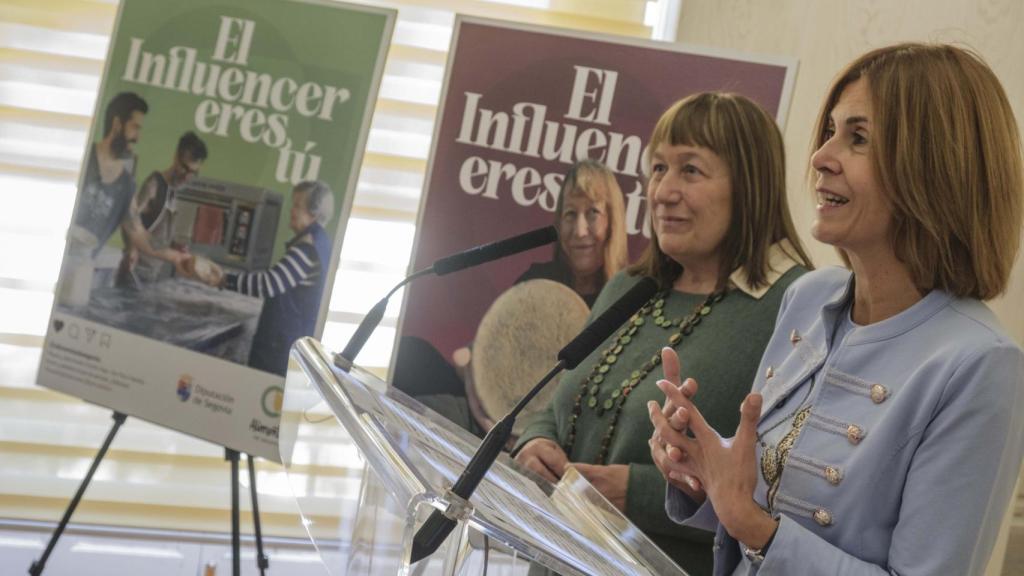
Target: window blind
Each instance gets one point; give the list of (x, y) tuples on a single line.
[(51, 60)]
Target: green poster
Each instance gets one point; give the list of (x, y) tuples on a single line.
[(277, 89), (217, 179)]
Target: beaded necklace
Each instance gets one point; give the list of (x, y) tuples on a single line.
[(590, 387)]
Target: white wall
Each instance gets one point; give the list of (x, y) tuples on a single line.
[(825, 35)]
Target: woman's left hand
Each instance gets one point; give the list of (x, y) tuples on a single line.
[(727, 469), (611, 481)]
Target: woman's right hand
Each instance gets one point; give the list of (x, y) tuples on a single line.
[(670, 422), (545, 457)]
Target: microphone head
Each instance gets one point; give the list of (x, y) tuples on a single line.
[(495, 250), (608, 322)]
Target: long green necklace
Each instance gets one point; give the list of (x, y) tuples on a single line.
[(590, 387)]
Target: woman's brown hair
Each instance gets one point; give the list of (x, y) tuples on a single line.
[(947, 153), (746, 138)]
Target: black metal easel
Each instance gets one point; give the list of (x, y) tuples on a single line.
[(236, 539), (262, 561), (37, 567)]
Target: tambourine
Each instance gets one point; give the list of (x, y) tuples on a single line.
[(516, 345)]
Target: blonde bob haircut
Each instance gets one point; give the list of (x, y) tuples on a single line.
[(747, 139), (946, 150), (594, 181)]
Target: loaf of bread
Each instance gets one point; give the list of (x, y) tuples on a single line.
[(206, 271)]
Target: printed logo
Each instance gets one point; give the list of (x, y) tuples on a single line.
[(184, 387), (272, 399)]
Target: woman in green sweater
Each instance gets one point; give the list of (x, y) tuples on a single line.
[(723, 250)]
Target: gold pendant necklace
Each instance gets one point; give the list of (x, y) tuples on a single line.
[(773, 458)]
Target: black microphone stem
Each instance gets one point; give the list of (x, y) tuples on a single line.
[(465, 259), (436, 529), (410, 278), (433, 532), (347, 356), (536, 389)]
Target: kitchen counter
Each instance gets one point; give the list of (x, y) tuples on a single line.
[(179, 312)]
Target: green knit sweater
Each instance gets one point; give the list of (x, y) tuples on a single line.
[(722, 354)]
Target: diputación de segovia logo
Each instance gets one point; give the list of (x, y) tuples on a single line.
[(184, 387)]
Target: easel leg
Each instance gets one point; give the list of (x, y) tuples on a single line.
[(262, 562), (236, 542), (37, 567)]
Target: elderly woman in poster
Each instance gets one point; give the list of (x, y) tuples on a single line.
[(293, 287), (590, 217), (591, 221), (886, 428), (723, 251)]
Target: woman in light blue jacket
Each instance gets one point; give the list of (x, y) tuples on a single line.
[(885, 430)]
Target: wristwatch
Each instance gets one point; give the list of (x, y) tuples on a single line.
[(756, 555)]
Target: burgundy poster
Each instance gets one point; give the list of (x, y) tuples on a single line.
[(520, 105)]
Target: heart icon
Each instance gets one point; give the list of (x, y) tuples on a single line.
[(58, 325)]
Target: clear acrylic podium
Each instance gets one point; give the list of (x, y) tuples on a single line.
[(515, 523)]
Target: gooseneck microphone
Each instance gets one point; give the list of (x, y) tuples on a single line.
[(435, 530), (465, 259), (495, 250)]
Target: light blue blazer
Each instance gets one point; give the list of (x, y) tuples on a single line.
[(909, 457)]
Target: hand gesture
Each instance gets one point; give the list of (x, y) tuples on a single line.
[(670, 428), (545, 457), (726, 469)]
